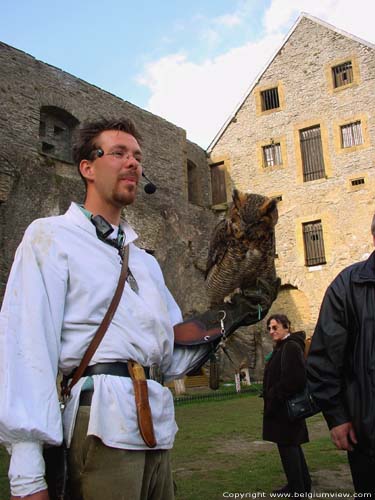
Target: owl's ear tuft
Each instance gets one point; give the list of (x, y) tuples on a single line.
[(269, 209), (238, 198)]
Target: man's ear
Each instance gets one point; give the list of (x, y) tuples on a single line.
[(87, 169)]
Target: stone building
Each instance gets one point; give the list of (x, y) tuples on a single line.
[(305, 133)]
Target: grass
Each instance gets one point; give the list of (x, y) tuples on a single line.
[(219, 449)]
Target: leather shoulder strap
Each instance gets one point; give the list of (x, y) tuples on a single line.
[(100, 332)]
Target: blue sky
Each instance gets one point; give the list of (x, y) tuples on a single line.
[(189, 61)]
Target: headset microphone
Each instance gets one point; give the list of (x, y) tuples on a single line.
[(150, 187)]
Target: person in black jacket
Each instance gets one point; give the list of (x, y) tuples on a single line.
[(341, 367), (284, 376)]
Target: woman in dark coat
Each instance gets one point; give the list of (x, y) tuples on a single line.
[(284, 376)]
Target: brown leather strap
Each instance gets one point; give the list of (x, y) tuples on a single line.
[(98, 337)]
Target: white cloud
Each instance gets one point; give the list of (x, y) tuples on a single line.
[(228, 20), (200, 97), (353, 17)]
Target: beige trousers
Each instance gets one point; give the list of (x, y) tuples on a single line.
[(98, 472)]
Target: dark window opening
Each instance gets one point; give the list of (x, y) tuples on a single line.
[(42, 128), (47, 148), (56, 127), (58, 130), (312, 154), (342, 74), (193, 182), (270, 99), (218, 184), (357, 182), (313, 243)]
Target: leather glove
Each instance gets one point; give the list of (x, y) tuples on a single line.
[(245, 309)]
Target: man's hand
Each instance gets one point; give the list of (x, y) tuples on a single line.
[(343, 436), (40, 495)]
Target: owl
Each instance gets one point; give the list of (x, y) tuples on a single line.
[(242, 247)]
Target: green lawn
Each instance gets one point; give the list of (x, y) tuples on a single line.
[(219, 449)]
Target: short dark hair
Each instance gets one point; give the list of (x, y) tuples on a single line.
[(373, 225), (89, 131), (280, 318)]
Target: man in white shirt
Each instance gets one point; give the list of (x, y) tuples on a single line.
[(62, 280)]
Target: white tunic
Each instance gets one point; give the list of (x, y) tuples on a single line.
[(60, 286)]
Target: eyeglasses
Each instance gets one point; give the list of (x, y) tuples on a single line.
[(118, 154)]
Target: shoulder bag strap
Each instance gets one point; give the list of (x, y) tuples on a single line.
[(100, 332)]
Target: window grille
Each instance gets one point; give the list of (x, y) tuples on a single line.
[(272, 155), (357, 182), (270, 99), (342, 74), (312, 154), (314, 244), (351, 135), (218, 184)]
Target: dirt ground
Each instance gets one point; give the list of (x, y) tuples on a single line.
[(322, 480)]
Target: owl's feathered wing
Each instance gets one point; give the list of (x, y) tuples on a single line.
[(218, 246), (242, 247)]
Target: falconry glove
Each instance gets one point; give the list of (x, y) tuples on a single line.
[(216, 324)]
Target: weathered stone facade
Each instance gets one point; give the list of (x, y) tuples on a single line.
[(302, 73), (35, 184)]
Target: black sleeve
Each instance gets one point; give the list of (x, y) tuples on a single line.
[(326, 359)]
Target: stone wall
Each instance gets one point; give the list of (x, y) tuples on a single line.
[(302, 72), (35, 185)]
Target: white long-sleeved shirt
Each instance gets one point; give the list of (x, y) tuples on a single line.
[(60, 286)]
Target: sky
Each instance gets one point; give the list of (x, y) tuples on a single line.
[(188, 61)]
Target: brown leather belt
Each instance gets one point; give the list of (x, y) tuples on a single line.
[(117, 368)]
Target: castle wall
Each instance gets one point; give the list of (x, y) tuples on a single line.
[(34, 184)]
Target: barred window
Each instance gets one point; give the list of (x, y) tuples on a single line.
[(272, 155), (351, 134), (218, 185), (270, 99), (314, 244), (342, 74), (357, 182), (312, 153)]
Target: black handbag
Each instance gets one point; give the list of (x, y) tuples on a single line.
[(301, 405)]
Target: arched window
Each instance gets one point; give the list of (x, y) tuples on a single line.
[(55, 133)]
